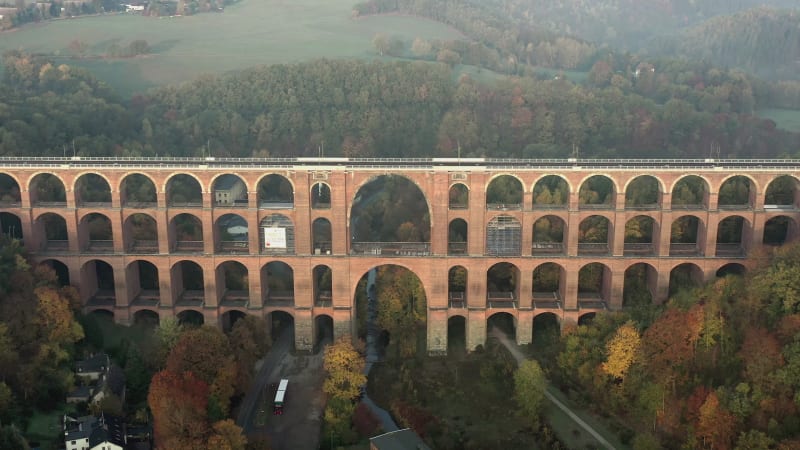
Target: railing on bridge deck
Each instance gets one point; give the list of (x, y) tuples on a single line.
[(10, 203), (735, 207), (235, 298), (188, 247), (500, 300), (55, 245), (591, 300), (546, 300), (323, 247), (547, 248), (277, 251), (94, 204), (239, 204), (550, 206), (100, 246), (504, 206), (596, 206), (390, 248), (275, 205), (638, 249), (321, 205), (457, 299), (591, 248), (680, 249), (103, 297), (195, 204), (689, 207), (234, 247), (140, 205), (780, 207), (730, 249), (643, 207), (324, 299), (191, 297), (147, 297), (140, 246), (47, 204), (458, 206), (456, 248), (279, 298)]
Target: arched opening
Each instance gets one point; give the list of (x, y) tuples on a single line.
[(502, 284), (140, 232), (458, 196), (781, 193), (9, 192), (504, 193), (639, 287), (188, 285), (321, 236), (731, 236), (597, 192), (281, 325), (138, 191), (586, 319), (390, 217), (10, 225), (323, 286), (456, 335), (323, 330), (732, 269), (53, 229), (47, 190), (229, 192), (684, 236), (690, 192), (191, 318), (184, 191), (684, 276), (97, 283), (779, 230), (275, 192), (551, 192), (502, 322), (548, 236), (146, 318), (594, 285), (276, 235), (232, 235), (233, 285), (142, 283), (546, 333), (736, 193), (643, 193), (504, 237), (457, 237), (457, 287), (229, 319), (639, 234), (103, 315), (594, 236), (95, 234), (548, 285), (92, 190), (320, 196), (186, 234), (277, 284), (61, 270)]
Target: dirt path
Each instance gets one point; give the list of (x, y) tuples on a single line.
[(520, 357)]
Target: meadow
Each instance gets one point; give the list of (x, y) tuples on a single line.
[(787, 119), (247, 34)]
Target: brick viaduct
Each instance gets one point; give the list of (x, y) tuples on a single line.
[(107, 271)]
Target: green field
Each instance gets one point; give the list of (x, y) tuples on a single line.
[(787, 119), (247, 34)]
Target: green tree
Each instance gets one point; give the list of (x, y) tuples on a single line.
[(529, 388)]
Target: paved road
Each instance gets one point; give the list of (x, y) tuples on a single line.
[(520, 357)]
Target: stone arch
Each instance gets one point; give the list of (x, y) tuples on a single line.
[(277, 284), (504, 322), (458, 196), (320, 196), (60, 269), (142, 282), (641, 235), (146, 318), (778, 230), (233, 284), (275, 191), (229, 318), (551, 192), (323, 286), (690, 192), (502, 285), (504, 191), (549, 284), (457, 237), (138, 195), (595, 235), (51, 228), (594, 285), (229, 190), (11, 225), (10, 193), (188, 283), (190, 317), (781, 193), (323, 329), (737, 192), (95, 233), (47, 190), (279, 322), (643, 192), (321, 236), (597, 191), (586, 318), (504, 236), (731, 269), (102, 314), (683, 276), (92, 190), (186, 234), (456, 334), (733, 234), (276, 235), (640, 286), (549, 236), (140, 233), (546, 330), (98, 283), (184, 190), (457, 282), (231, 234), (687, 234)]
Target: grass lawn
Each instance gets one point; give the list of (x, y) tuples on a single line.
[(247, 34), (787, 119), (46, 427), (570, 432)]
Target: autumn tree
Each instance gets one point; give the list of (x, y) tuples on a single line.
[(344, 368), (529, 388), (622, 351), (178, 402)]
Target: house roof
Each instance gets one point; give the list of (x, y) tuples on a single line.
[(111, 429), (79, 428), (405, 439), (81, 392), (95, 363)]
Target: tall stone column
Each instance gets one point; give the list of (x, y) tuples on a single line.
[(437, 332), (303, 330), (439, 197), (476, 329), (524, 327)]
